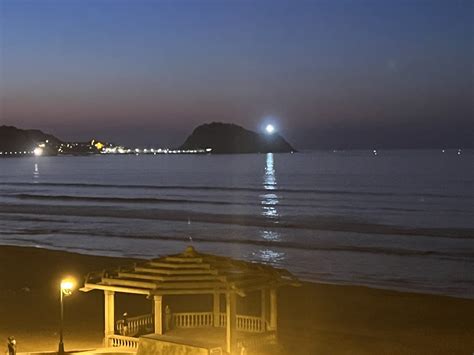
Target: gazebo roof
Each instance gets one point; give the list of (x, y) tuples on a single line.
[(189, 273)]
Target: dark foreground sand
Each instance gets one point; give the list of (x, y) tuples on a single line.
[(313, 319)]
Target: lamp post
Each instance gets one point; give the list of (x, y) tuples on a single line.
[(67, 286)]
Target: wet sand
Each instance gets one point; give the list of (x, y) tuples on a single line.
[(313, 319)]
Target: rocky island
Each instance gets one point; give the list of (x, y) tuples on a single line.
[(15, 139), (16, 143), (227, 138)]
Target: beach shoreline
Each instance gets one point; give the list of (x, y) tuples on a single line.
[(314, 318)]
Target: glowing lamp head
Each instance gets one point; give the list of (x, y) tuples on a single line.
[(270, 129), (38, 151), (67, 286)]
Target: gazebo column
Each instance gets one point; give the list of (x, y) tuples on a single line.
[(109, 310), (263, 313), (158, 306), (231, 321), (216, 308), (273, 309)]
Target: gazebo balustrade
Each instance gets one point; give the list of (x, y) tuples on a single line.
[(144, 324), (139, 325), (121, 341)]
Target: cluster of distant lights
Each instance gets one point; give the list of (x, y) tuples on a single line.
[(376, 152), (18, 153), (39, 151), (121, 150)]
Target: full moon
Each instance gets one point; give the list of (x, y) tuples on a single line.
[(270, 129)]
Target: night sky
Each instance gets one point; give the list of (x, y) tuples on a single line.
[(328, 74)]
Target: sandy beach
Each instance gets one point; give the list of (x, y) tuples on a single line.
[(313, 319)]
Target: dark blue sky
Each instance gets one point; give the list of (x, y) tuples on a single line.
[(327, 73)]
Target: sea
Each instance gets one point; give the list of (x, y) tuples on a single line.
[(399, 219)]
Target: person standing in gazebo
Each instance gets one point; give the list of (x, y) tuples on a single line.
[(125, 324), (167, 318), (11, 346)]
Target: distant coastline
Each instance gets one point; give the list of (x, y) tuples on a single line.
[(216, 138)]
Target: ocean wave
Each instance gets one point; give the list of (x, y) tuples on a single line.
[(300, 203), (328, 223), (467, 256), (154, 200), (99, 199), (235, 189)]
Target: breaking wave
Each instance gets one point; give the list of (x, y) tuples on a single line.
[(234, 189), (327, 223)]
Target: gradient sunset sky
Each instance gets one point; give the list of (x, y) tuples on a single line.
[(328, 74)]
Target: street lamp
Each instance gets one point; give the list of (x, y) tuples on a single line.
[(67, 286)]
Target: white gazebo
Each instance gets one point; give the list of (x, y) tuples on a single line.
[(193, 273)]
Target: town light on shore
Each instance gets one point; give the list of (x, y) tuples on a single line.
[(66, 288), (38, 151)]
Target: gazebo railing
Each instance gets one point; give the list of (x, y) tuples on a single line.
[(245, 323), (136, 325), (192, 320), (222, 319), (206, 319), (249, 324), (145, 323), (120, 341)]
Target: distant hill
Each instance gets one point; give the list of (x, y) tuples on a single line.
[(15, 139), (225, 138)]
